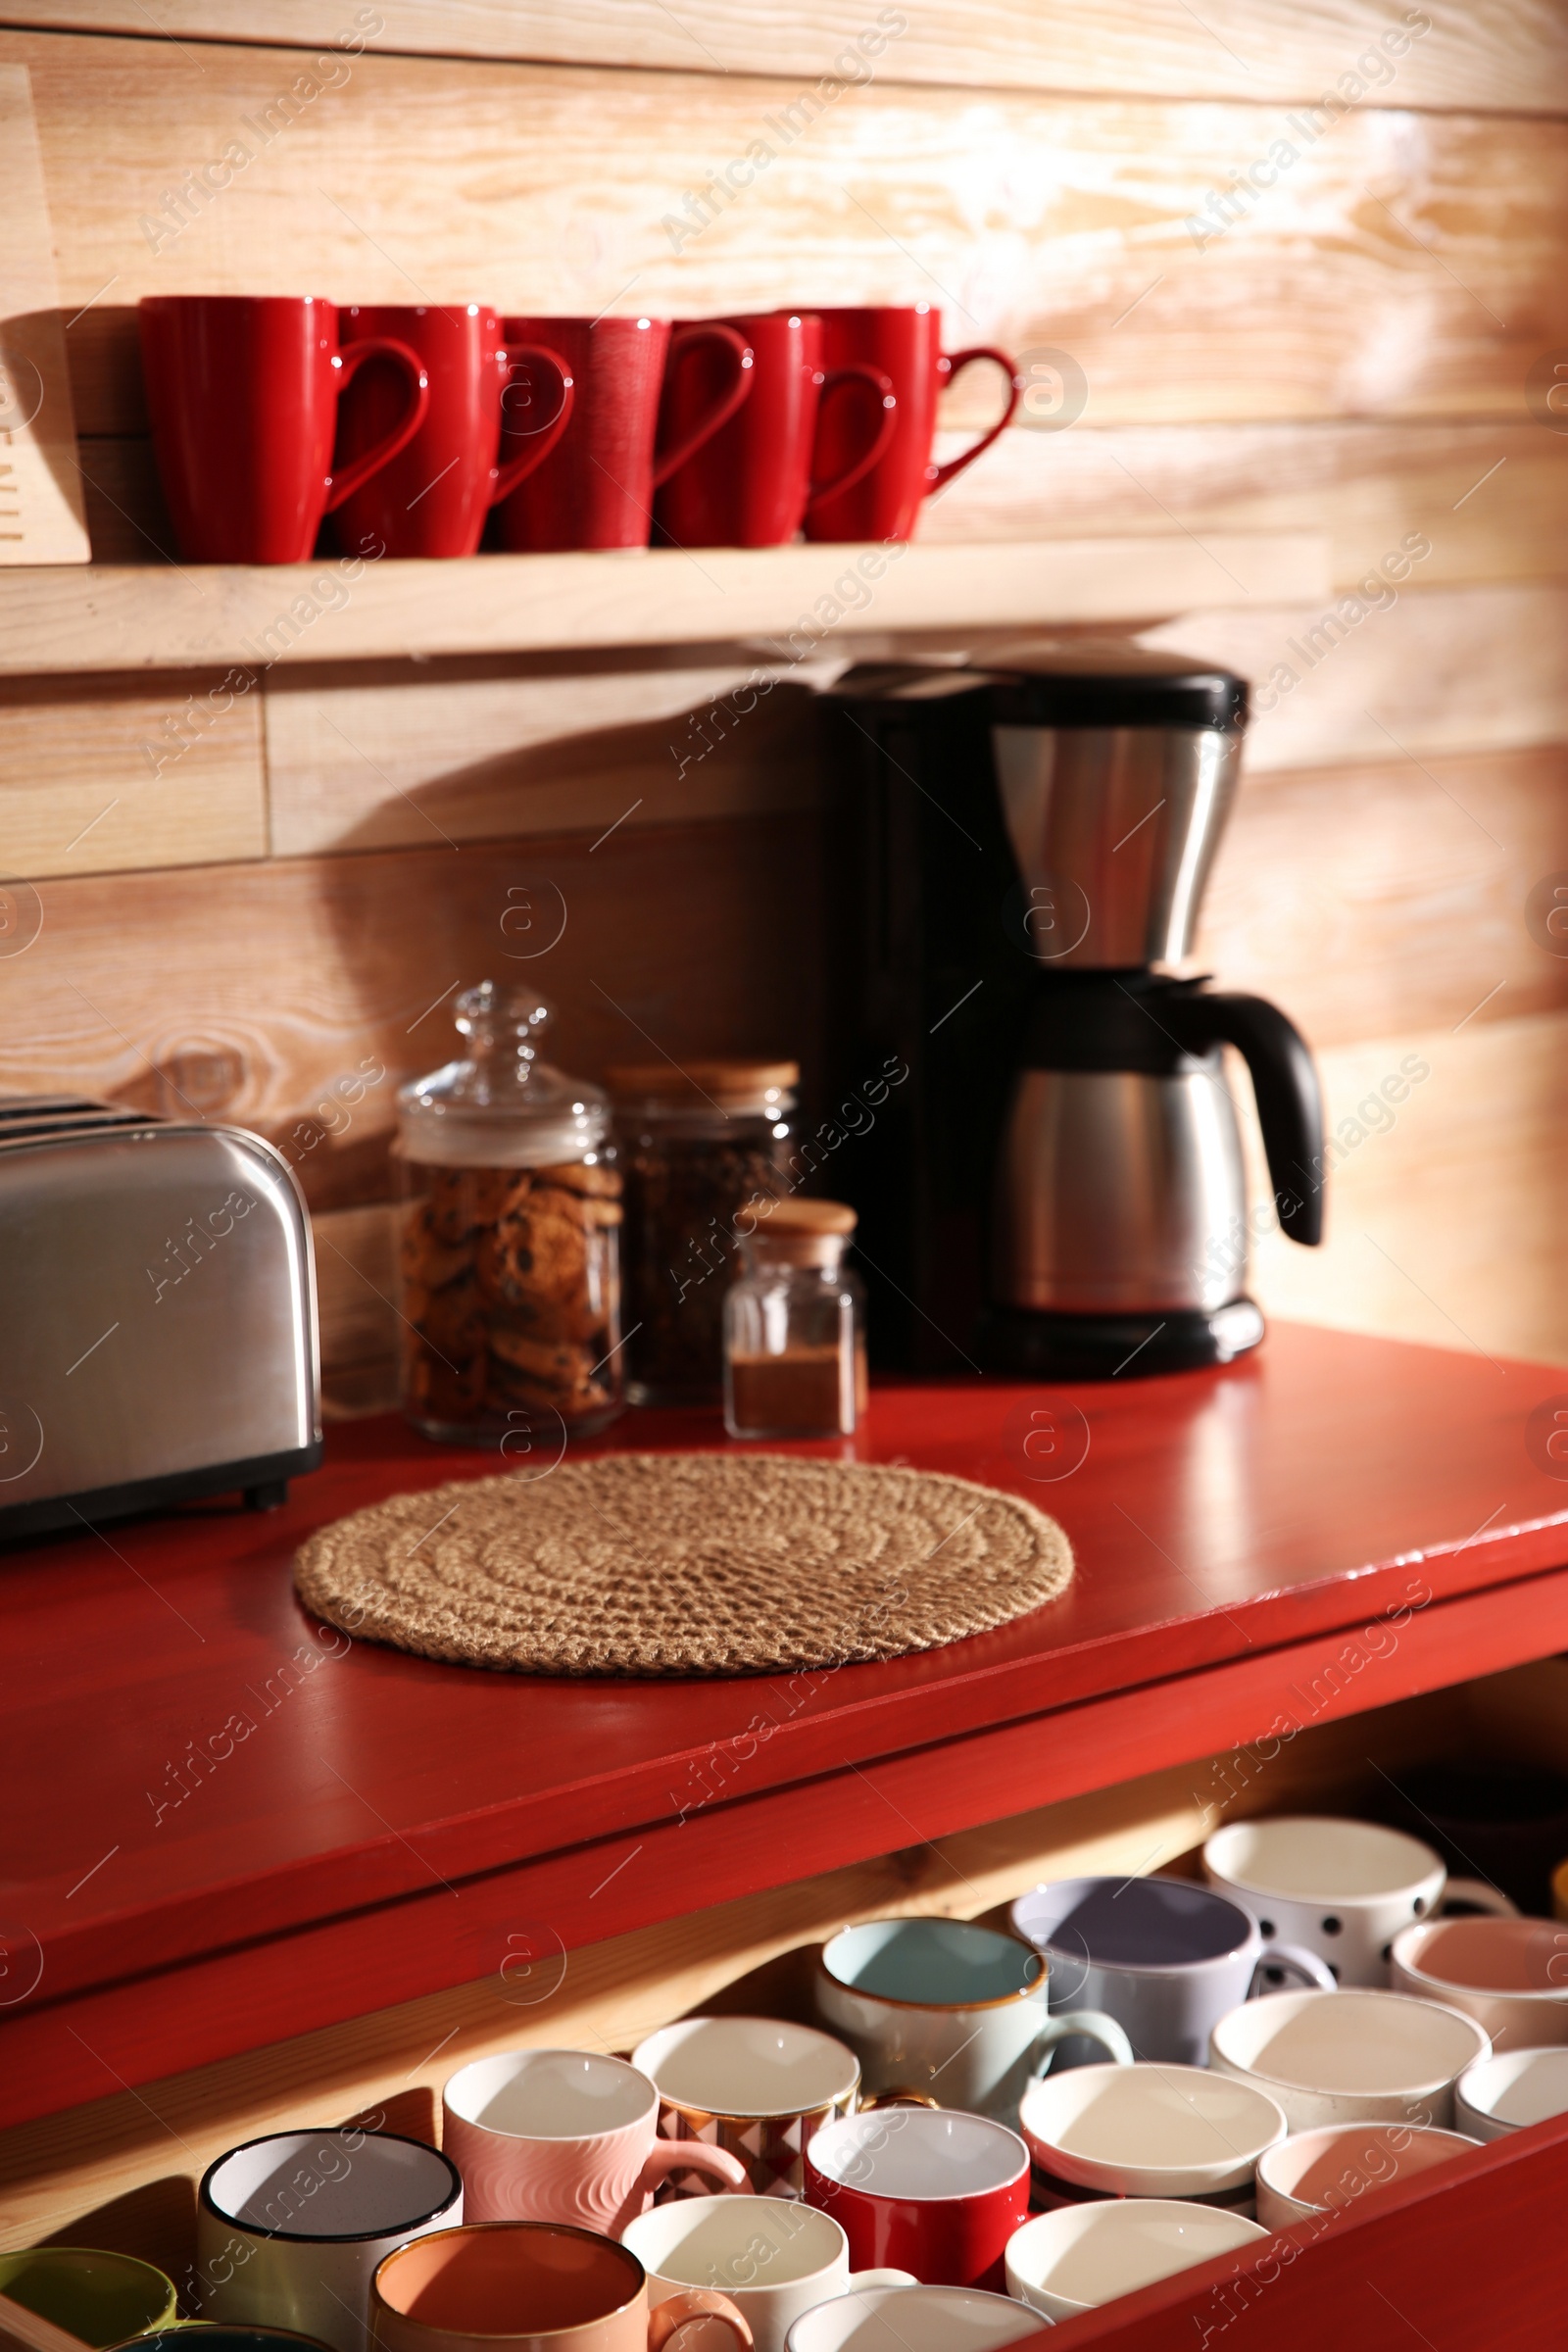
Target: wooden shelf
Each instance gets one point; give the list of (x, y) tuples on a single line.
[(1278, 1508), (105, 617)]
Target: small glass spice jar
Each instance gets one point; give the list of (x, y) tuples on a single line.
[(699, 1147), (509, 1255), (795, 1327)]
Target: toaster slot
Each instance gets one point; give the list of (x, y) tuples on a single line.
[(41, 1119)]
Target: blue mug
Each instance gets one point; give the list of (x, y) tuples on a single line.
[(949, 2014)]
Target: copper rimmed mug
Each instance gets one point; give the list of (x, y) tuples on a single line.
[(757, 2087), (531, 2286), (942, 2008)]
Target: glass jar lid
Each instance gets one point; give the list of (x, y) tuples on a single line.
[(499, 1105), (727, 1087), (798, 1233)]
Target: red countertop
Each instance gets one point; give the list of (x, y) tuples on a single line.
[(386, 1824)]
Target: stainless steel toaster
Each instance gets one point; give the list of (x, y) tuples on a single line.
[(157, 1315)]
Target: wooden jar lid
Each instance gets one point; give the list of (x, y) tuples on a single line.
[(724, 1082)]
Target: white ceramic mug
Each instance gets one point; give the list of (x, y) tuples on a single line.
[(757, 2087), (1340, 1889), (951, 2012), (567, 2136), (1501, 2095), (772, 2257), (1510, 1975), (1181, 2131), (1162, 1956), (1326, 2171), (290, 2228), (1350, 2057), (914, 2319), (1083, 2256)]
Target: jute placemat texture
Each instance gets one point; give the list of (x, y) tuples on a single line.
[(649, 1565)]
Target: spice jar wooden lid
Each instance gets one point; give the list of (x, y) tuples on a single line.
[(800, 1233), (806, 1216), (732, 1083)]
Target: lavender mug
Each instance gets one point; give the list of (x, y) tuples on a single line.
[(1165, 1958)]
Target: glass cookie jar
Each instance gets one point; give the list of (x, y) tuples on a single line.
[(509, 1247)]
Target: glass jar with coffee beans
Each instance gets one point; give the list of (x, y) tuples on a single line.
[(697, 1144), (509, 1258)]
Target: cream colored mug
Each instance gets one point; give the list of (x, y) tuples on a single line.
[(1503, 2093), (773, 2257), (1330, 2169), (1350, 2057), (1083, 2256), (1510, 1975)]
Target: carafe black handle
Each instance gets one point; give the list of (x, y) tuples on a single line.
[(1290, 1102)]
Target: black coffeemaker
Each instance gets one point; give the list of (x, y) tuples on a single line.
[(1054, 1183)]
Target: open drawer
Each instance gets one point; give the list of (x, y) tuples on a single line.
[(1473, 2255)]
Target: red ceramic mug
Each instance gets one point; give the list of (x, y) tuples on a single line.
[(243, 392), (596, 488), (751, 484), (925, 2190), (432, 498), (906, 345)]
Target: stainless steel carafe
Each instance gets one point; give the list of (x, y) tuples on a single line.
[(1121, 1220)]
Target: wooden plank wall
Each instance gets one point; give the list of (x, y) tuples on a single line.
[(1352, 351)]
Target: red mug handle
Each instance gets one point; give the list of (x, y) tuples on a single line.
[(350, 359), (721, 411), (859, 371), (544, 438), (947, 368)]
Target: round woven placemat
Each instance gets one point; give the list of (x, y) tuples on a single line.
[(685, 1564)]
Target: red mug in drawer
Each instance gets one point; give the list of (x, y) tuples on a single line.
[(431, 498), (925, 2190), (243, 390)]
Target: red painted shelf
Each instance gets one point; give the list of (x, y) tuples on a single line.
[(386, 1825)]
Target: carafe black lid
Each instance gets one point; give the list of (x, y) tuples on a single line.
[(1097, 683)]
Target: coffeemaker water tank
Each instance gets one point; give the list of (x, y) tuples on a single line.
[(1116, 769)]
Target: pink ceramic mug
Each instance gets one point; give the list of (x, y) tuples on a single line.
[(565, 2135)]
